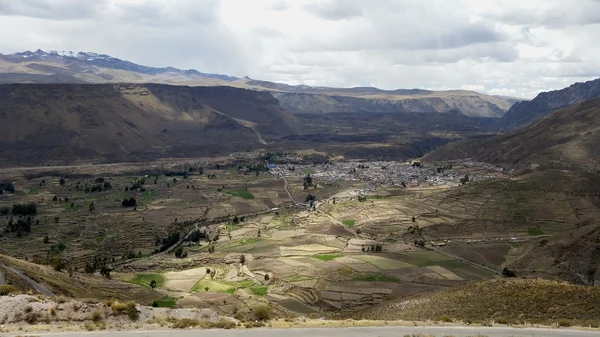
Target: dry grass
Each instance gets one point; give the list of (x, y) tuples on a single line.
[(505, 300)]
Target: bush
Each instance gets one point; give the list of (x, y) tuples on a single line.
[(24, 209), (32, 317), (131, 202), (185, 323), (128, 309), (262, 312), (96, 316), (445, 318), (564, 324)]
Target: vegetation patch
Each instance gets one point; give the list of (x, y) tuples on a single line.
[(535, 231), (222, 287), (327, 257), (146, 279), (165, 302), (376, 278), (299, 278), (249, 241), (309, 171), (349, 223), (259, 290), (241, 193)]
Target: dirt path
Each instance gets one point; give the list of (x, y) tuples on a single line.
[(262, 141), (456, 257), (40, 288), (285, 187), (2, 279)]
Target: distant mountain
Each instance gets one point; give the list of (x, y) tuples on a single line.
[(527, 112), (567, 138), (63, 123), (70, 67)]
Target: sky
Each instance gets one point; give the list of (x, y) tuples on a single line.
[(503, 47)]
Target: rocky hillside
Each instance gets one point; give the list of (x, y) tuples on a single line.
[(530, 111), (123, 122), (566, 138), (504, 301), (470, 104), (69, 67)]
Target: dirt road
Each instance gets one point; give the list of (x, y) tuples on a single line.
[(40, 288), (343, 332)]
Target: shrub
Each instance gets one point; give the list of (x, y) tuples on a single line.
[(24, 209), (52, 310), (61, 299), (185, 323), (262, 312), (32, 317), (28, 309), (564, 324), (7, 289), (131, 202), (445, 318), (96, 316), (128, 309)]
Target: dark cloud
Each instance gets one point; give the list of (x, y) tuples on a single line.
[(52, 9), (335, 10)]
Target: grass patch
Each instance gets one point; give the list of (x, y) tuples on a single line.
[(309, 171), (376, 278), (34, 190), (222, 287), (148, 196), (99, 239), (327, 257), (241, 193), (259, 290), (145, 279), (165, 302), (249, 241), (349, 223), (535, 231), (298, 278)]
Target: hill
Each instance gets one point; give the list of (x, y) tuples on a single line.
[(68, 67), (527, 112), (505, 301), (567, 138), (75, 285), (123, 122)]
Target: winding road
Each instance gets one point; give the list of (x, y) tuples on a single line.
[(342, 332), (40, 288)]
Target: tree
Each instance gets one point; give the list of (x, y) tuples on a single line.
[(107, 185), (242, 259), (46, 239), (131, 202), (508, 273), (92, 206), (180, 253), (308, 180), (153, 284), (62, 181), (55, 198), (310, 198), (414, 219)]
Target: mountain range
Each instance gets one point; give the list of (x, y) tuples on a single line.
[(70, 67)]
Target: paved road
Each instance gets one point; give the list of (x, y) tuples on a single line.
[(340, 332), (40, 288)]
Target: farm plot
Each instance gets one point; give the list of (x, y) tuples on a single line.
[(492, 255), (184, 280)]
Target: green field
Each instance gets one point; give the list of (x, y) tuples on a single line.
[(241, 193), (145, 279), (259, 290), (349, 223), (535, 231), (165, 302), (222, 287), (308, 171), (327, 257), (376, 278)]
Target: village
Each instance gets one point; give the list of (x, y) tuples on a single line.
[(390, 173)]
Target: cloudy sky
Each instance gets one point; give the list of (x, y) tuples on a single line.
[(506, 47)]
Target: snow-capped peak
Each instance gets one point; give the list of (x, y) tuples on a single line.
[(65, 53)]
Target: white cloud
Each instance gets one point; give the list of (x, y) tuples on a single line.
[(507, 47)]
